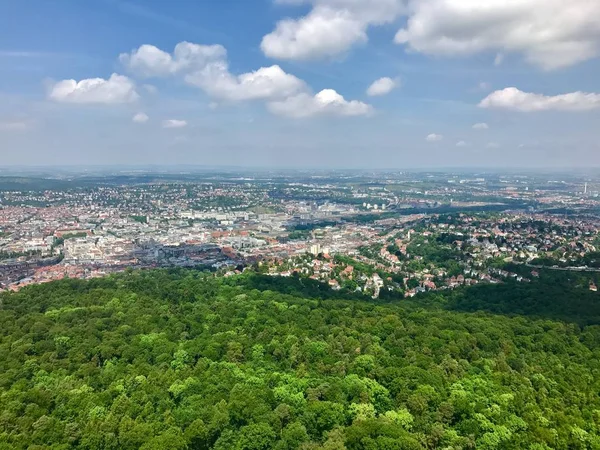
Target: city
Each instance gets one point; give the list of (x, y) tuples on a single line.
[(404, 234)]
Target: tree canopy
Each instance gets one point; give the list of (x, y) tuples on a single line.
[(185, 360)]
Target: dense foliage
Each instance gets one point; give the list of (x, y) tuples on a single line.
[(184, 360), (558, 295)]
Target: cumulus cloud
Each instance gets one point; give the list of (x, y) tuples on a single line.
[(481, 126), (174, 123), (331, 28), (549, 33), (117, 89), (434, 137), (140, 118), (206, 67), (325, 32), (265, 83), (461, 144), (382, 86), (150, 61), (326, 102), (513, 99)]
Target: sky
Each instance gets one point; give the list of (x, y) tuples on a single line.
[(301, 83)]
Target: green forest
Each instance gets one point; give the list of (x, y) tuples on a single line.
[(182, 359)]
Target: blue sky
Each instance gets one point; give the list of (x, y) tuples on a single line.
[(301, 83)]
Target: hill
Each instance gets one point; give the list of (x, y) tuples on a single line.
[(184, 360)]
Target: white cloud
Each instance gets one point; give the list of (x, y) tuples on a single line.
[(382, 86), (492, 145), (140, 118), (434, 137), (266, 83), (513, 99), (150, 61), (13, 126), (461, 144), (117, 89), (481, 126), (549, 33), (326, 102), (206, 67), (331, 28), (499, 59), (174, 123), (323, 33)]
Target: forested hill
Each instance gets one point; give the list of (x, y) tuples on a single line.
[(555, 295), (183, 360)]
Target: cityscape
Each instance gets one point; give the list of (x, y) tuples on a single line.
[(400, 233)]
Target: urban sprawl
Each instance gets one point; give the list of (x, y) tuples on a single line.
[(379, 234)]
